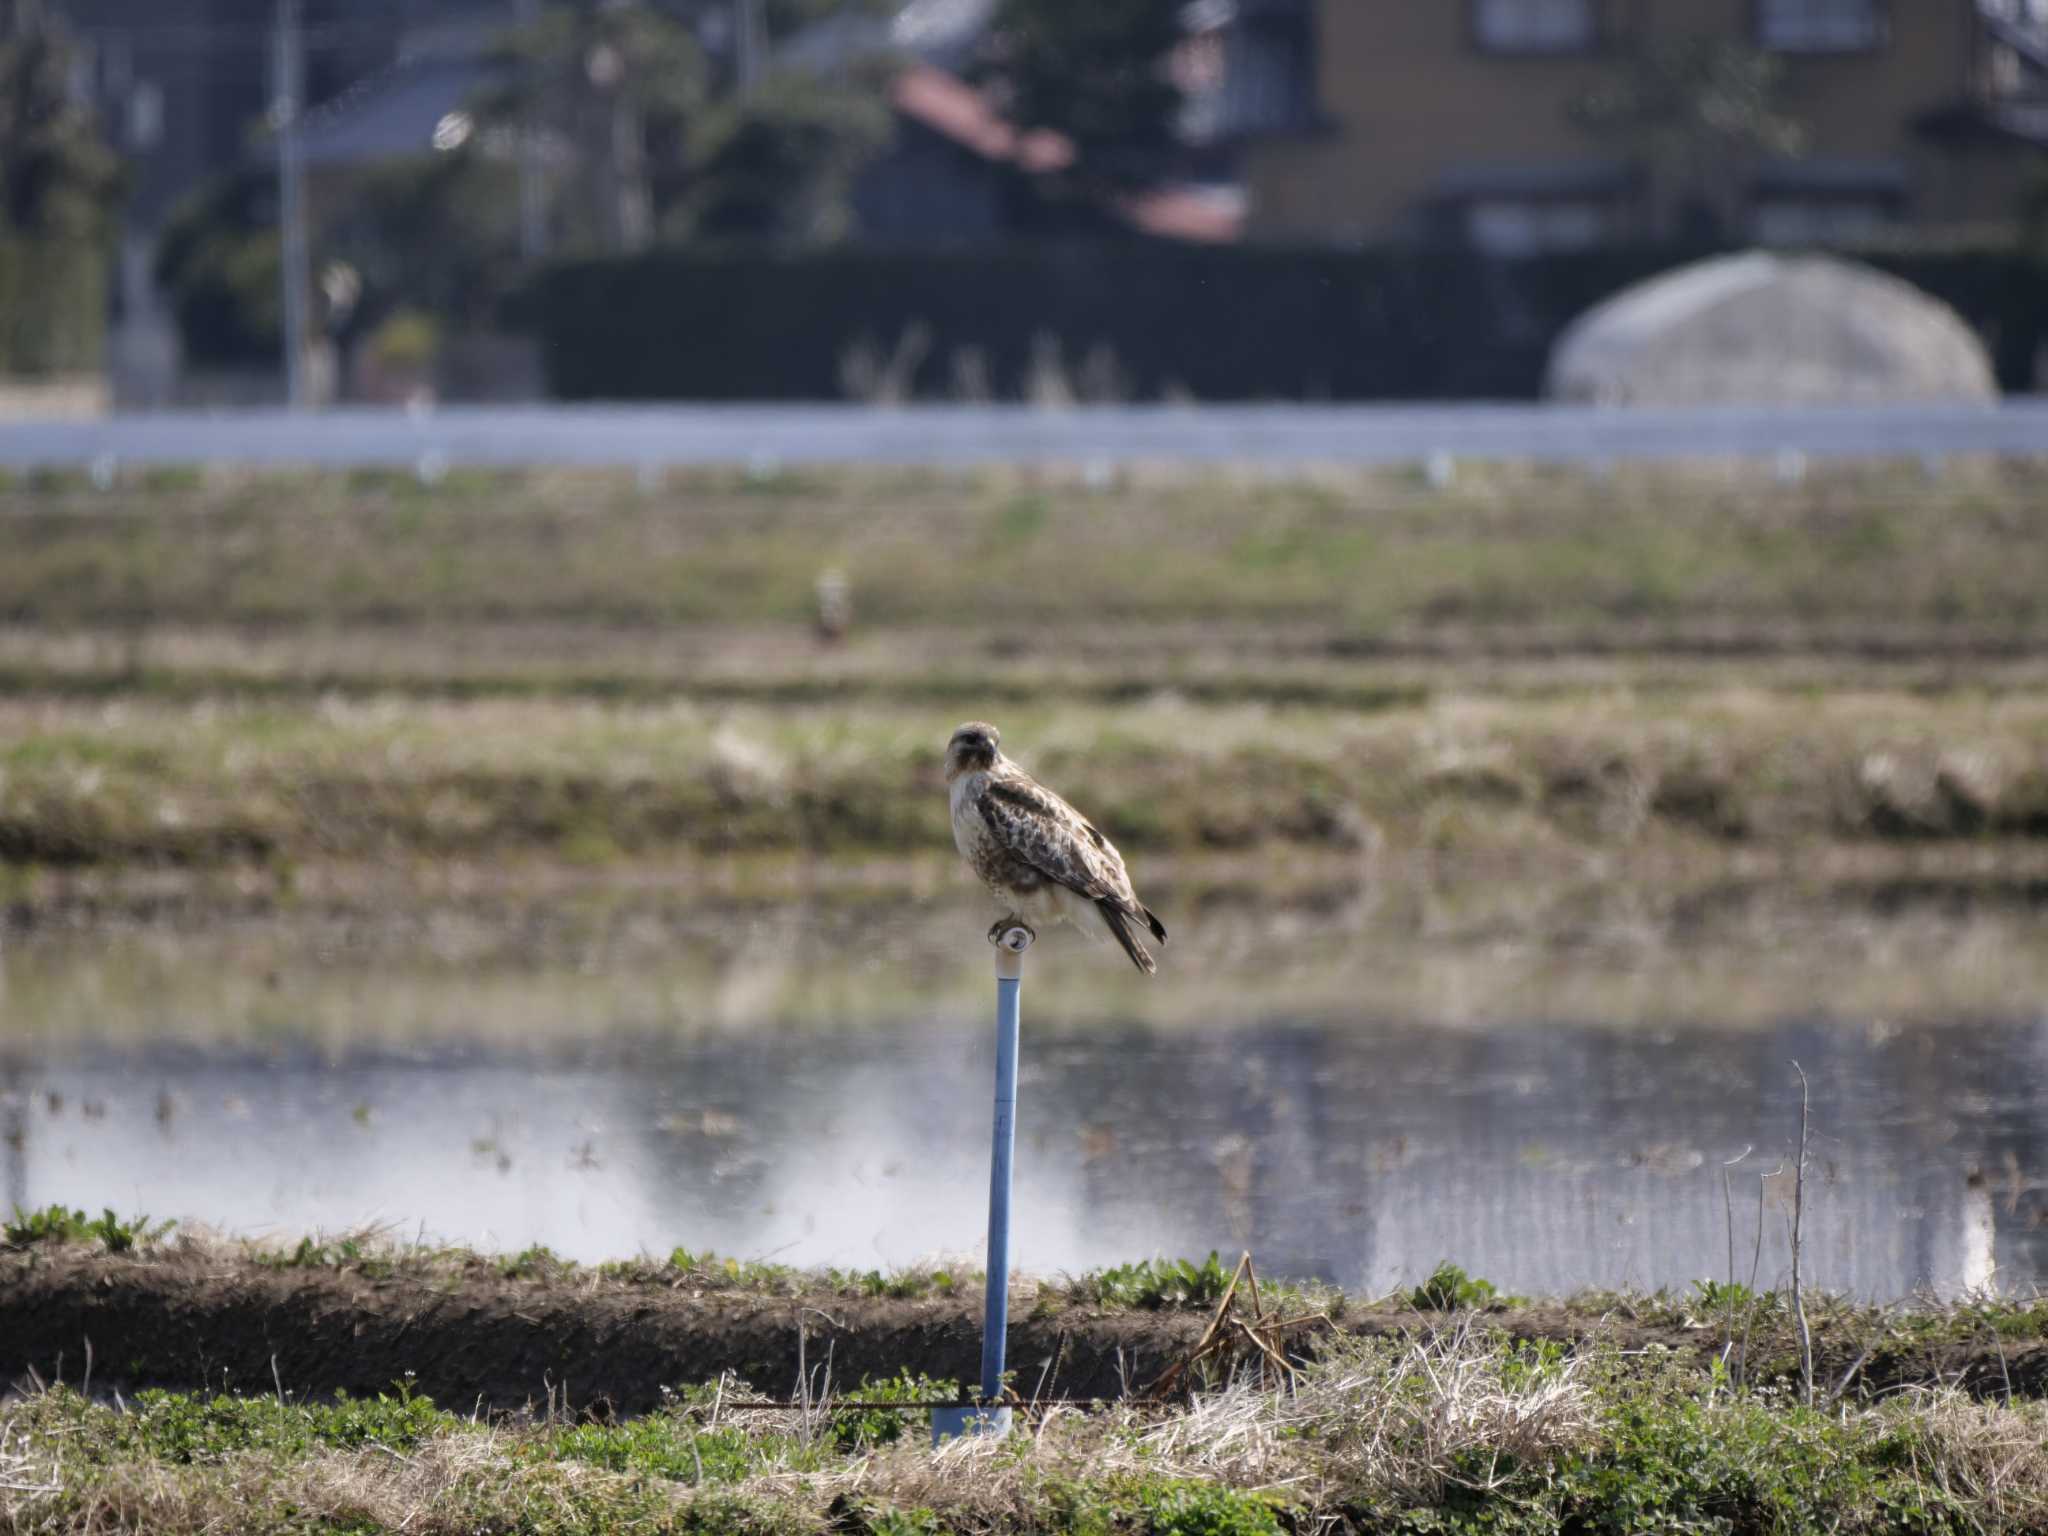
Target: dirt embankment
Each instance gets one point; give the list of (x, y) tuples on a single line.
[(470, 1336)]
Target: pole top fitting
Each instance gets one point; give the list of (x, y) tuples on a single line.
[(1010, 943)]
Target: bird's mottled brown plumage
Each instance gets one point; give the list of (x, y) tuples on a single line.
[(1035, 852)]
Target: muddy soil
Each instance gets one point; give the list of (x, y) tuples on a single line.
[(468, 1336)]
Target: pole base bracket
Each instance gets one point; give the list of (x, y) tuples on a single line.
[(1011, 939), (957, 1423)]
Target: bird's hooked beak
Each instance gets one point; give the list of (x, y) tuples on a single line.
[(974, 747)]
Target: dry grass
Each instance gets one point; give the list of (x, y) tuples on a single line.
[(1460, 1423), (1411, 1419), (25, 1475), (1990, 1458)]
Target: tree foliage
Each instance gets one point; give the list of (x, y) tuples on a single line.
[(218, 262), (613, 91), (58, 180), (641, 139), (780, 168), (655, 142), (438, 233), (1694, 107)]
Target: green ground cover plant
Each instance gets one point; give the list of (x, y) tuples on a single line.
[(1465, 1432)]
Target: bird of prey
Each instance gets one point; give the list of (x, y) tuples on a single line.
[(1038, 856)]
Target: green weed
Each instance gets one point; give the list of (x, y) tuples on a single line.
[(335, 1253), (538, 1262), (1162, 1506), (183, 1429), (1158, 1283), (1450, 1289), (662, 1445), (55, 1224), (863, 1429), (902, 1285), (740, 1274)]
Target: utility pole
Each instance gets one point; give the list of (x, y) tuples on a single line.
[(635, 215), (750, 45), (288, 112), (533, 217)]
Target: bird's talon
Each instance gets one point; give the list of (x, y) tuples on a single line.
[(1004, 925)]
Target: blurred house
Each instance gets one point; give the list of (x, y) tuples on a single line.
[(411, 100), (185, 87), (1453, 120)]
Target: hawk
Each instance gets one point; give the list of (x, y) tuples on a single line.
[(1038, 855)]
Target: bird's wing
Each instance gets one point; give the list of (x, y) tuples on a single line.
[(1040, 828)]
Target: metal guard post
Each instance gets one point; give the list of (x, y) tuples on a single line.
[(990, 1419)]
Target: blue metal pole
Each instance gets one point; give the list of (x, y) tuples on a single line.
[(995, 1317), (995, 1323)]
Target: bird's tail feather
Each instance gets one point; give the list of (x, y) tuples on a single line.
[(1119, 927), (1158, 928)]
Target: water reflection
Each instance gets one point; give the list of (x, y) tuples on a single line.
[(1546, 1156)]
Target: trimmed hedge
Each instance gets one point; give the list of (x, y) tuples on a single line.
[(1242, 323), (53, 307)]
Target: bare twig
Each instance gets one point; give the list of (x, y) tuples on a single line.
[(1728, 1206), (803, 1376), (1798, 1211), (20, 1471), (2004, 1370), (1849, 1375), (1756, 1259), (1234, 1341)]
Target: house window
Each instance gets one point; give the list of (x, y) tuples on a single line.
[(1821, 220), (1530, 226), (1535, 26), (1820, 26)]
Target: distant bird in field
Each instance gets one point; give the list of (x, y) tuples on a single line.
[(835, 606), (1038, 856)]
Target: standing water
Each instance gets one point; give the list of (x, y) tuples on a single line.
[(276, 1082)]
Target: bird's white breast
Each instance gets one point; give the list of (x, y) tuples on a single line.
[(969, 830)]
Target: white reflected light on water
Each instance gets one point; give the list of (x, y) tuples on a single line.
[(1545, 1157)]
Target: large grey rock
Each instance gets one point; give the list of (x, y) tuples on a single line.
[(1759, 329)]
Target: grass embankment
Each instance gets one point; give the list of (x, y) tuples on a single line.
[(1468, 1433), (211, 783), (1374, 557), (1445, 1409), (288, 669)]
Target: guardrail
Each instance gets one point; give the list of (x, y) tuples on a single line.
[(768, 437)]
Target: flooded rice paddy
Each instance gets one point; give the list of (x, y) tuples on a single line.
[(1355, 1082)]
